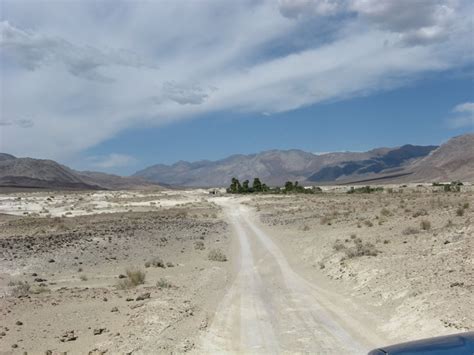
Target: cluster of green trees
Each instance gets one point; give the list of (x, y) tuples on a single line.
[(454, 186), (258, 187), (364, 190)]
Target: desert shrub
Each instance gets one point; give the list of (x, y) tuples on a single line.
[(420, 213), (217, 255), (199, 245), (164, 283), (20, 288), (465, 205), (460, 212), (361, 249), (385, 212), (338, 246), (410, 230), (425, 225), (39, 289), (368, 223), (155, 262), (306, 227), (83, 277), (134, 278)]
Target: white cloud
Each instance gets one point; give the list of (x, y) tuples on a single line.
[(77, 76), (111, 161), (32, 51), (463, 116)]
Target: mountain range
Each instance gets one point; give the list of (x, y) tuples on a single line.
[(453, 160)]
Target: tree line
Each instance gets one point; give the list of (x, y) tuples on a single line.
[(258, 187)]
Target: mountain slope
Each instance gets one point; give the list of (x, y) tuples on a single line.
[(453, 160), (392, 161), (39, 173)]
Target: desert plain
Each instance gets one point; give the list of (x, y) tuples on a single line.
[(174, 271)]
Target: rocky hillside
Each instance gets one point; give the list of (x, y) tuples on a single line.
[(39, 173)]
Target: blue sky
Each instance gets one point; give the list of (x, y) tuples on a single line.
[(123, 85)]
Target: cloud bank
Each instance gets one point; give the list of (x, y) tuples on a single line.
[(117, 65)]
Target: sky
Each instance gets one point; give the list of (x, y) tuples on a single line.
[(117, 86)]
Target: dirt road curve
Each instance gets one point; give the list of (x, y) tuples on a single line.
[(271, 309)]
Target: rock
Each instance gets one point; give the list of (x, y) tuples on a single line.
[(49, 352), (128, 299), (122, 276), (19, 322), (105, 299), (68, 335), (14, 346), (114, 309), (143, 296), (51, 261), (99, 331)]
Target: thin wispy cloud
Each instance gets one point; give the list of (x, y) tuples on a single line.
[(119, 65), (463, 116)]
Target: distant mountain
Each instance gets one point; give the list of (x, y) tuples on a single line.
[(39, 173), (277, 166)]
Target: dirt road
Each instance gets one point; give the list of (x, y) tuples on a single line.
[(271, 309)]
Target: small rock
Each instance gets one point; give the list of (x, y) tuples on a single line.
[(99, 331), (128, 299), (105, 299), (115, 309), (14, 346), (19, 322), (143, 296), (51, 261), (68, 335), (121, 276)]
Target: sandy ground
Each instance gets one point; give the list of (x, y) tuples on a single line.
[(329, 273), (73, 265), (406, 257)]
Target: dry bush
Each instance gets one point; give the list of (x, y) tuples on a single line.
[(134, 278), (199, 245), (460, 212), (164, 283), (361, 249), (420, 213), (425, 225), (410, 230), (385, 212), (217, 255), (155, 262), (368, 223), (20, 288)]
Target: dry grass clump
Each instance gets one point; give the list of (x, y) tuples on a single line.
[(199, 245), (155, 262), (358, 249), (420, 213), (133, 279), (425, 225), (217, 255), (164, 283), (20, 288)]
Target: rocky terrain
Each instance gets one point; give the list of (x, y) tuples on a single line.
[(405, 253), (139, 280)]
